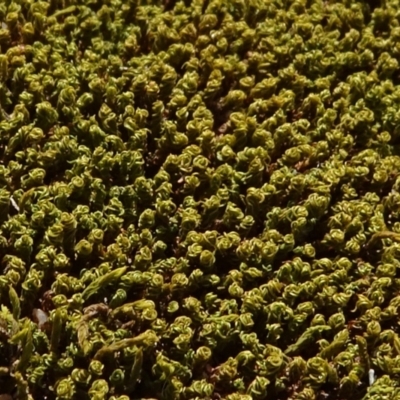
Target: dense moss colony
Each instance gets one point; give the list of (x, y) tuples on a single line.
[(199, 200)]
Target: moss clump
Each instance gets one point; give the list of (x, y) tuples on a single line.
[(199, 200)]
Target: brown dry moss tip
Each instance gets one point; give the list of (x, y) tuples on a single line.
[(199, 200)]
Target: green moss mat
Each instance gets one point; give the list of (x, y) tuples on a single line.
[(199, 200)]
